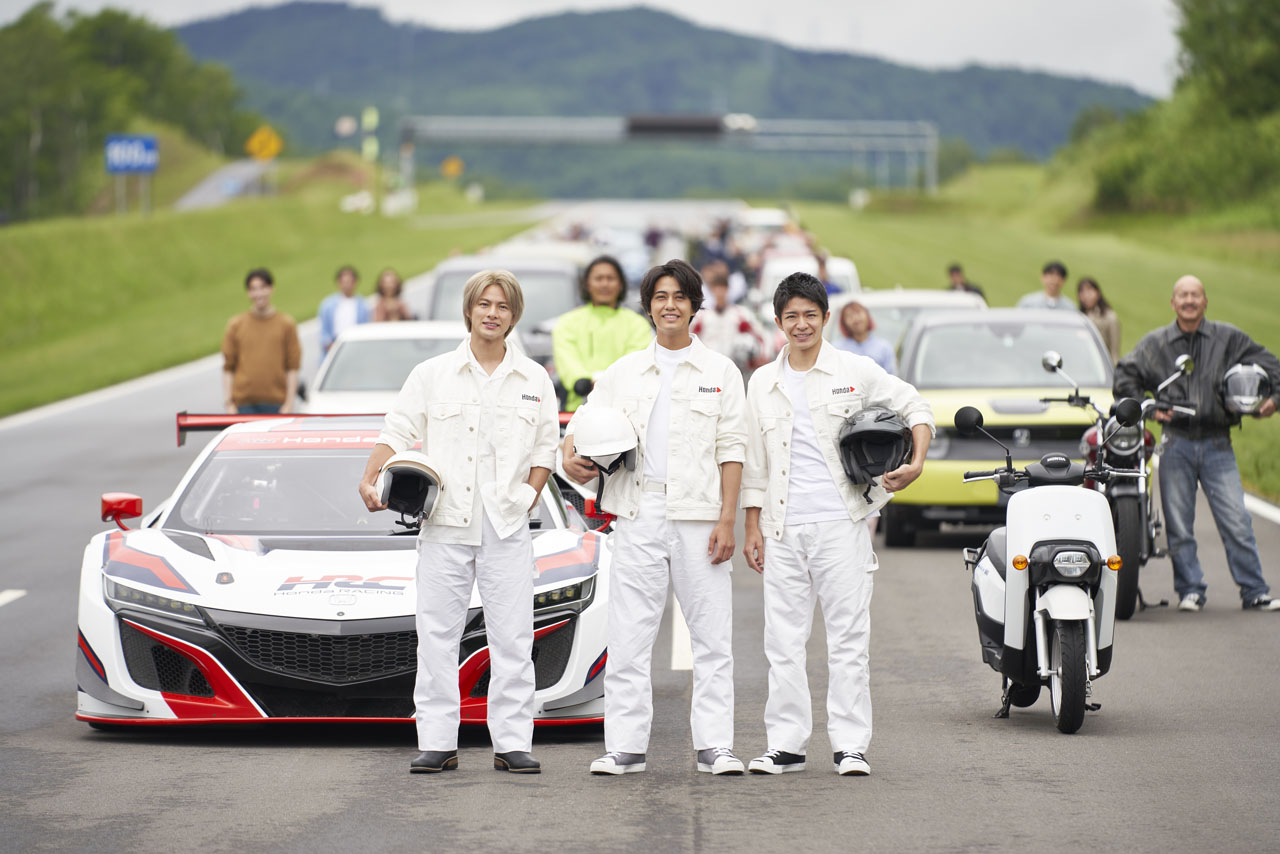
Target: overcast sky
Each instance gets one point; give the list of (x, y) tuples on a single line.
[(1118, 41)]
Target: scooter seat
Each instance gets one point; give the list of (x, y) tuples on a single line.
[(995, 547)]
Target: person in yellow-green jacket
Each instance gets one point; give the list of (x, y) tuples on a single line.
[(592, 337)]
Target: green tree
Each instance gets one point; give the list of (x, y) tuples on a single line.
[(1233, 46)]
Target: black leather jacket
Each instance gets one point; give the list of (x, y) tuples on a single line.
[(1215, 347)]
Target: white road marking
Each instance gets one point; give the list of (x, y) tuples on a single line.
[(1258, 507), (7, 596), (681, 646)]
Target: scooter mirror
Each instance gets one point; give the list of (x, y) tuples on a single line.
[(1185, 363), (1051, 361), (1128, 411), (968, 419)]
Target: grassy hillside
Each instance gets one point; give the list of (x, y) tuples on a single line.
[(104, 299), (1004, 223)]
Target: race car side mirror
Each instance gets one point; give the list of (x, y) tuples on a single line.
[(968, 420), (120, 505)]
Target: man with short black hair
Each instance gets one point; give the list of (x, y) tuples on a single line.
[(956, 281), (1196, 449), (260, 353), (798, 494), (676, 514), (1052, 278)]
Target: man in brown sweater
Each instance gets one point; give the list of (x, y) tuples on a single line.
[(261, 354)]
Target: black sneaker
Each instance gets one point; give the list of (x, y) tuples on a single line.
[(777, 762), (434, 761), (851, 764), (1261, 603)]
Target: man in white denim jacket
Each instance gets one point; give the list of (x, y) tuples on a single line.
[(486, 415), (797, 494), (677, 512)]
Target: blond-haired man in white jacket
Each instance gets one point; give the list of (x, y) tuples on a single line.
[(800, 502), (487, 417), (675, 528)]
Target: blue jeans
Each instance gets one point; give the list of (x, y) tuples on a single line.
[(258, 408), (1212, 463)]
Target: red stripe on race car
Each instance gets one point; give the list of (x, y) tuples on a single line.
[(154, 569), (584, 554), (91, 657), (476, 709), (229, 702), (98, 719), (597, 667)]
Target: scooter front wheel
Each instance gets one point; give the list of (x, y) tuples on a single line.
[(1068, 679)]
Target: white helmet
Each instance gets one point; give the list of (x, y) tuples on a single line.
[(410, 484), (605, 436), (1245, 388)]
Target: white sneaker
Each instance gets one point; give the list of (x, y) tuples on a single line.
[(850, 764), (719, 760), (777, 762), (1191, 602), (618, 763)]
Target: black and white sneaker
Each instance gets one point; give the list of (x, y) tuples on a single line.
[(618, 763), (850, 764), (1261, 603), (1192, 602), (719, 760), (777, 762)]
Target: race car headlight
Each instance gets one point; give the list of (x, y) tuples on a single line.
[(120, 597), (571, 595)]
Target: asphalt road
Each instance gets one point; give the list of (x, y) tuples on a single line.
[(1183, 755)]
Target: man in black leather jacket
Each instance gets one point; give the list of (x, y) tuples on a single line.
[(1197, 449)]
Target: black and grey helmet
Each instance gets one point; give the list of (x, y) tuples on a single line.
[(873, 441), (410, 484), (1244, 388)]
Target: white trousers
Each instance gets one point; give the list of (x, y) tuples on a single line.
[(503, 571), (650, 551), (832, 563)]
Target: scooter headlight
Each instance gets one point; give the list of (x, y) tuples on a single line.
[(1071, 564)]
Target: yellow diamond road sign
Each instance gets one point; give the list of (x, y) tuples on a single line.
[(264, 143), (452, 167)]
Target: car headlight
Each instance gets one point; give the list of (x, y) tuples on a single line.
[(571, 595), (1125, 440), (120, 596), (939, 447), (1071, 564)]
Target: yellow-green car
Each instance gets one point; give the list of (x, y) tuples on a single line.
[(991, 359)]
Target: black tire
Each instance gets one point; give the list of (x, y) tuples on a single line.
[(1067, 684), (1023, 696), (1129, 536), (898, 532)]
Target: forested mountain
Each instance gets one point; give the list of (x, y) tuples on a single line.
[(304, 64)]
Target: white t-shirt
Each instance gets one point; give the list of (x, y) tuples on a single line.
[(655, 446), (811, 493), (344, 317)]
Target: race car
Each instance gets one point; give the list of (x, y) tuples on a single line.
[(264, 590)]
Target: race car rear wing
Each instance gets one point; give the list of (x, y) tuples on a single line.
[(210, 422)]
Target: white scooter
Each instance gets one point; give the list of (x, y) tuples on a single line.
[(1044, 586)]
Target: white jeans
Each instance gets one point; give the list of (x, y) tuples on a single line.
[(833, 563), (647, 551), (503, 571)]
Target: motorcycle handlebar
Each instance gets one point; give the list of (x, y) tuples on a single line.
[(978, 474)]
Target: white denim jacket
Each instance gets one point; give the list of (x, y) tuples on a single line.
[(440, 405), (840, 384), (708, 428)]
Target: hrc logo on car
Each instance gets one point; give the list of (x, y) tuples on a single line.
[(344, 582)]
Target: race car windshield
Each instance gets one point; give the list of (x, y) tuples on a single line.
[(380, 365), (1005, 355), (547, 294), (298, 492)]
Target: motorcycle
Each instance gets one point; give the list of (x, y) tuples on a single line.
[(1044, 585), (1134, 510)]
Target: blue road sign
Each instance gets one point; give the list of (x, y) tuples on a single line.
[(136, 153)]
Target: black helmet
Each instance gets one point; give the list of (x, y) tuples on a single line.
[(1244, 388), (873, 441)]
